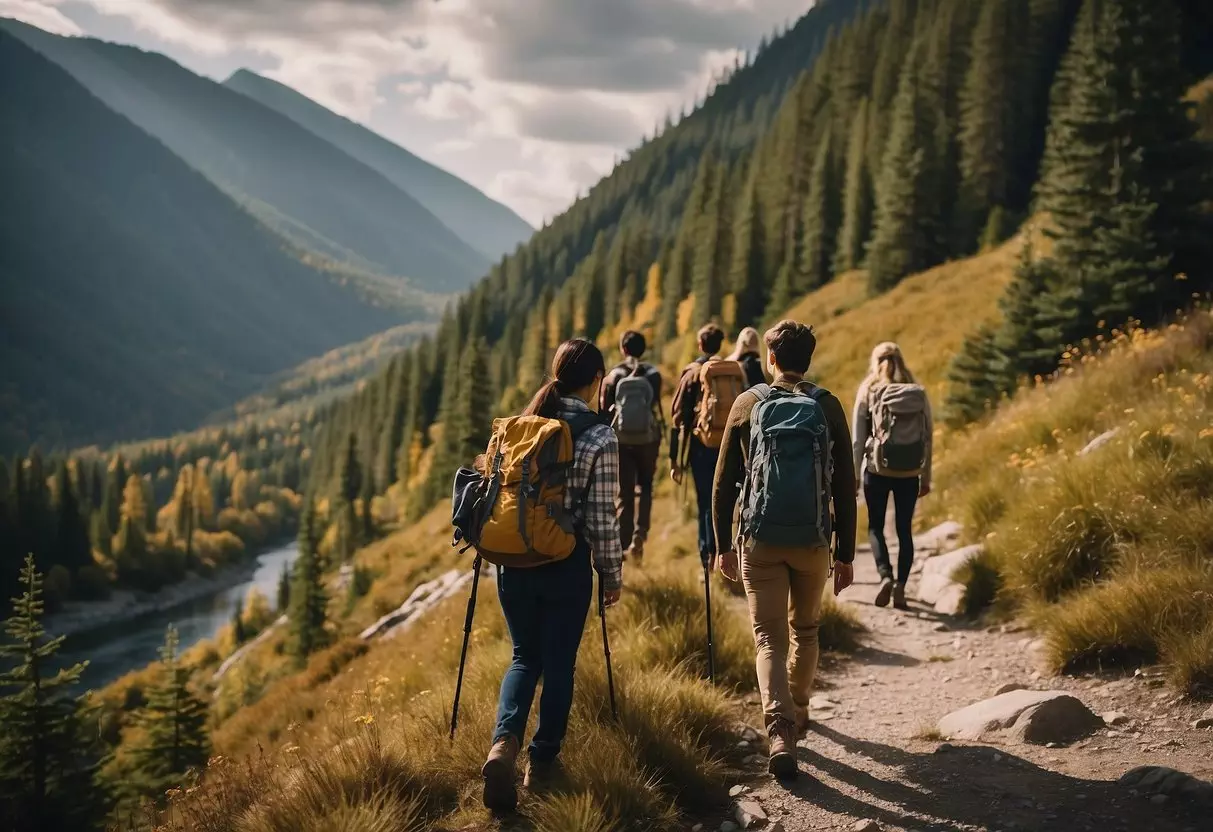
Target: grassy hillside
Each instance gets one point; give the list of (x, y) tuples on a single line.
[(486, 225), (137, 297), (1108, 552), (340, 208)]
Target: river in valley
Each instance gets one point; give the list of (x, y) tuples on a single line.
[(115, 649)]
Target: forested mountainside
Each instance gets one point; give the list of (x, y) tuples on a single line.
[(137, 297), (307, 190), (485, 224), (909, 134)]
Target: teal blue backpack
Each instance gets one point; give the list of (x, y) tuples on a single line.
[(786, 495)]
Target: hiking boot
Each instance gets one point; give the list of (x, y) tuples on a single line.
[(500, 793), (542, 775), (802, 720), (885, 593), (899, 597), (783, 749)]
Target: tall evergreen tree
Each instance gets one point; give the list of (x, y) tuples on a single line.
[(284, 590), (859, 198), (350, 484), (71, 535), (747, 275), (48, 761), (308, 597), (821, 217), (709, 276), (173, 740), (115, 485)]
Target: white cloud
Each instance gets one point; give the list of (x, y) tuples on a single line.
[(546, 91), (40, 13)]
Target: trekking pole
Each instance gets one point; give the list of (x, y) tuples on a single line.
[(707, 594), (606, 646), (467, 635)]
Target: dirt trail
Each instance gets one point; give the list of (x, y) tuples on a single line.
[(870, 756)]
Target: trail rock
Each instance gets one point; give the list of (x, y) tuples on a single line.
[(818, 703), (737, 791), (937, 572), (749, 734), (750, 815), (1203, 722), (1099, 441), (866, 825), (1032, 716), (729, 826), (1115, 718), (1008, 687), (777, 826), (1160, 780), (940, 537), (1208, 714), (951, 600)]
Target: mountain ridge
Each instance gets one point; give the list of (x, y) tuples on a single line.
[(459, 205)]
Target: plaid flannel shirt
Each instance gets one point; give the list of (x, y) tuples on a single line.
[(596, 475)]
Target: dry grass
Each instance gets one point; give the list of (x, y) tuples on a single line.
[(1109, 551)]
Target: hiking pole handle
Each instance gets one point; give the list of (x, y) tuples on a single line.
[(467, 636), (606, 646)]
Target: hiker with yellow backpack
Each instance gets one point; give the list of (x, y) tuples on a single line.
[(541, 506)]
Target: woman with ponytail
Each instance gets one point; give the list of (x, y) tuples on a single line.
[(545, 606), (892, 449)]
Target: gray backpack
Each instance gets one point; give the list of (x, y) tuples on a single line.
[(898, 446), (635, 422)]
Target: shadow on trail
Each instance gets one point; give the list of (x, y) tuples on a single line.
[(972, 787)]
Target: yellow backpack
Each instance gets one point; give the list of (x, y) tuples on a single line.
[(721, 381), (513, 513)]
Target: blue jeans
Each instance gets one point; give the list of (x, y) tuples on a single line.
[(703, 471), (545, 609)]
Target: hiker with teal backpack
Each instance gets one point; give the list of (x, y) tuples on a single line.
[(541, 506), (631, 400), (784, 456), (892, 447)]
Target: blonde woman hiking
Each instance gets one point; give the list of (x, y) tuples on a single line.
[(747, 355), (892, 447)]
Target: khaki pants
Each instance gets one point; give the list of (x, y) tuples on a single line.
[(784, 586)]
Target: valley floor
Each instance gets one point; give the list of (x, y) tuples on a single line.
[(874, 755)]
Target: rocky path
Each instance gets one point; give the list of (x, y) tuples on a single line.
[(874, 759)]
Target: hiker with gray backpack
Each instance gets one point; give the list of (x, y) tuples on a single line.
[(892, 447), (784, 456), (631, 400)]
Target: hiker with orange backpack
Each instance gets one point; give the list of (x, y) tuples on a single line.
[(631, 400), (892, 447), (542, 507), (785, 443)]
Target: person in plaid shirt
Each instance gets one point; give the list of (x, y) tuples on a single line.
[(546, 606)]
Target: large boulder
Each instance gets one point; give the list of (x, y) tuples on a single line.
[(1155, 780), (938, 538), (937, 572), (1034, 716)]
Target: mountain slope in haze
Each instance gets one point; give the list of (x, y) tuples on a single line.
[(297, 183), (137, 297), (488, 226)]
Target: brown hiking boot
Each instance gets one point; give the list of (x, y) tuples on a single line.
[(885, 593), (802, 720), (783, 749), (500, 793), (899, 597), (542, 775)]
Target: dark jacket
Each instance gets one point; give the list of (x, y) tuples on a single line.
[(752, 365), (682, 409), (734, 457), (606, 399)]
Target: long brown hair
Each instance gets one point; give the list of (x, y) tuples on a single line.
[(576, 364)]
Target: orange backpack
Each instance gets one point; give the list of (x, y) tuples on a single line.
[(514, 512), (720, 383)]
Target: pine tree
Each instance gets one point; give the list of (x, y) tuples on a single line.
[(48, 763), (821, 217), (130, 547), (71, 536), (284, 589), (747, 275), (366, 516), (709, 275), (238, 635), (308, 598), (173, 740), (974, 378), (859, 199), (115, 485), (992, 117), (907, 235), (350, 485)]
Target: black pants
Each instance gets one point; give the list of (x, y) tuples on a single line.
[(876, 491), (703, 472), (634, 505)]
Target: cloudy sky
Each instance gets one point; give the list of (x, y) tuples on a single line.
[(529, 100)]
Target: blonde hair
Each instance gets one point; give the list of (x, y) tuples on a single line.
[(747, 341), (887, 366)]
